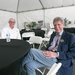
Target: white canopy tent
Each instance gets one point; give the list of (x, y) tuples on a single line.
[(35, 10), (29, 5)]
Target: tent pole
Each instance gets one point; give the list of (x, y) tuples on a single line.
[(17, 13), (44, 18)]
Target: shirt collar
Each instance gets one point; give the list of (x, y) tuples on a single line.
[(60, 33), (11, 29)]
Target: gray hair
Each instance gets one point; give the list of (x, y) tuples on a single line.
[(58, 19)]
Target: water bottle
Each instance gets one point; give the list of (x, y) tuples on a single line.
[(8, 37)]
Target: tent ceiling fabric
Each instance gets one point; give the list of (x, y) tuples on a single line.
[(8, 5), (25, 5), (30, 5)]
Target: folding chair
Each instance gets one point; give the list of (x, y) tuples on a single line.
[(54, 69), (35, 40)]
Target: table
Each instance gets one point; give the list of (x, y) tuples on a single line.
[(10, 52), (38, 32)]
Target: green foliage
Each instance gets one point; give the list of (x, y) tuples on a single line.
[(31, 25), (66, 22)]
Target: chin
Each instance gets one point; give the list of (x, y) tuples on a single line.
[(57, 31)]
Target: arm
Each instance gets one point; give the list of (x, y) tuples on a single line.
[(18, 35), (50, 54), (68, 50)]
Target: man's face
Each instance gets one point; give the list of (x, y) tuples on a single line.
[(11, 23), (58, 26)]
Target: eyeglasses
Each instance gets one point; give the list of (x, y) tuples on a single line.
[(11, 22)]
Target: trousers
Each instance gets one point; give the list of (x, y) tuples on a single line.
[(35, 59)]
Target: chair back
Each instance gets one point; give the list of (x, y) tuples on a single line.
[(35, 39), (27, 34)]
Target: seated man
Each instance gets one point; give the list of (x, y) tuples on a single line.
[(11, 30), (61, 48)]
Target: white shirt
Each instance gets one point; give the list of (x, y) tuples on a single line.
[(14, 33)]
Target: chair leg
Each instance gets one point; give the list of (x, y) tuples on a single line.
[(42, 72), (33, 46)]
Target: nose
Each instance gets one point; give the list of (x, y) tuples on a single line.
[(56, 26)]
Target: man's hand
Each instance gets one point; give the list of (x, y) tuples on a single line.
[(50, 54)]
